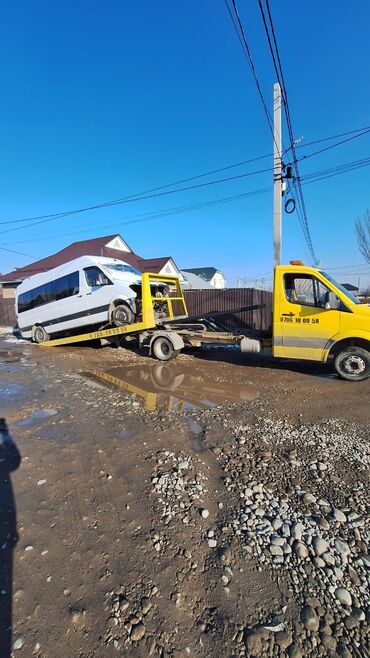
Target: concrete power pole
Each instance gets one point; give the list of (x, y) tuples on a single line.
[(278, 170)]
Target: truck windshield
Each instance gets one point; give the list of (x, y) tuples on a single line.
[(121, 268), (341, 288)]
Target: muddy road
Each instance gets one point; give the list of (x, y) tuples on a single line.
[(214, 506)]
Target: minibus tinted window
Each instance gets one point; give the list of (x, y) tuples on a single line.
[(65, 286), (95, 277)]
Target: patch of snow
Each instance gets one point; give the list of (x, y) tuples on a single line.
[(14, 339)]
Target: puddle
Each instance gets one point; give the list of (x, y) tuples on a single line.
[(9, 390), (125, 434), (196, 431), (6, 356), (175, 388), (35, 416)]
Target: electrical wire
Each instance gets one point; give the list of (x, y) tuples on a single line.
[(328, 148), (297, 181), (172, 211), (20, 253), (274, 50), (312, 177), (138, 196), (345, 267), (344, 168), (48, 218), (246, 50), (363, 130)]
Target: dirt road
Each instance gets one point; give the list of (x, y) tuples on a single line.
[(212, 507)]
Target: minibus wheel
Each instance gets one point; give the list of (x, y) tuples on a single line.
[(39, 334), (122, 315), (353, 364)]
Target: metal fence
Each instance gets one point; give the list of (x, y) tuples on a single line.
[(204, 302)]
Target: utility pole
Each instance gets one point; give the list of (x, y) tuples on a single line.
[(278, 181)]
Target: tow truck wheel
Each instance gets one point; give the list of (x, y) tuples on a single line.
[(163, 349), (39, 334), (122, 315), (353, 364)]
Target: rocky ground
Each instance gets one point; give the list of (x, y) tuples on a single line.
[(238, 530)]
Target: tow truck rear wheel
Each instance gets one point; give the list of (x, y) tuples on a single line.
[(163, 349), (353, 364), (39, 334)]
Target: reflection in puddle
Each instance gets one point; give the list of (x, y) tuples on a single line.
[(176, 388), (6, 356), (35, 416), (196, 431), (9, 389)]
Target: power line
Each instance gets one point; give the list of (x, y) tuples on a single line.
[(20, 253), (164, 212), (363, 130), (345, 168), (337, 167), (312, 177), (49, 218), (297, 181), (328, 148), (280, 77), (140, 195), (246, 50), (274, 50), (345, 267)]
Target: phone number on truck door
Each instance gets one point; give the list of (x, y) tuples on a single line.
[(300, 320)]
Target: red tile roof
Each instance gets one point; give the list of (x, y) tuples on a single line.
[(94, 247), (154, 265)]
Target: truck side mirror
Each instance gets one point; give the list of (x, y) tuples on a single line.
[(331, 301)]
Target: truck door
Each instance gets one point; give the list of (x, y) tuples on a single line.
[(304, 324)]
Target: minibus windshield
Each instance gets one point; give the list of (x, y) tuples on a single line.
[(341, 288), (120, 268)]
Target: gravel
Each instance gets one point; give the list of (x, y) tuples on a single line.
[(290, 516), (283, 512)]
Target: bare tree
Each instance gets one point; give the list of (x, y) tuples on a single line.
[(363, 235)]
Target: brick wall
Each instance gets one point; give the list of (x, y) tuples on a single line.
[(7, 313)]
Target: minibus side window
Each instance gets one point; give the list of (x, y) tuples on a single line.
[(95, 277), (65, 286)]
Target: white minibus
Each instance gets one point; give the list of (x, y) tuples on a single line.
[(86, 291)]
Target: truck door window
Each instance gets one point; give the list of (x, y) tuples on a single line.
[(305, 290), (95, 277)]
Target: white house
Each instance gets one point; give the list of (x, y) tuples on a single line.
[(214, 277)]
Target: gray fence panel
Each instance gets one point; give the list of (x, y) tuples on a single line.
[(203, 302)]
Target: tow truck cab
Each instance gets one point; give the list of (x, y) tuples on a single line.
[(316, 318)]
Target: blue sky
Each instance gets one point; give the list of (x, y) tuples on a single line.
[(103, 100)]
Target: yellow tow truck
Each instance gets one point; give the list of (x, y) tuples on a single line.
[(313, 318), (316, 318)]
